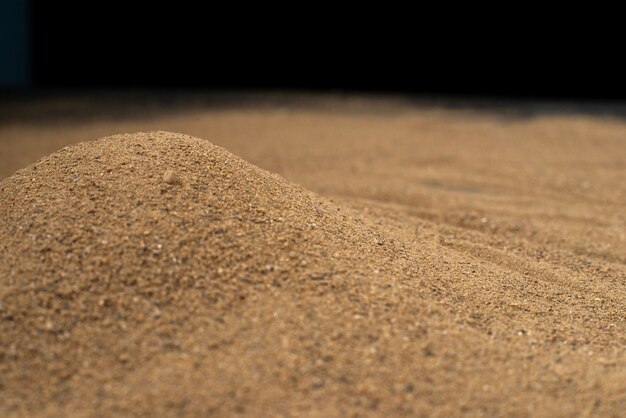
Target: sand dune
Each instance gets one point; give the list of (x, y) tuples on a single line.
[(157, 274)]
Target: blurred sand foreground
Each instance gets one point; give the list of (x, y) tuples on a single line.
[(413, 261)]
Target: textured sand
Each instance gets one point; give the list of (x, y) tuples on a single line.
[(413, 263)]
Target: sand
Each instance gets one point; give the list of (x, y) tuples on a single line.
[(403, 262)]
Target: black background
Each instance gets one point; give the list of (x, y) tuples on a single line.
[(102, 44)]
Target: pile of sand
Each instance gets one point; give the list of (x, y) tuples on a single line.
[(118, 253), (158, 274), (160, 215)]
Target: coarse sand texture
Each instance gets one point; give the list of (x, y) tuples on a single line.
[(156, 274)]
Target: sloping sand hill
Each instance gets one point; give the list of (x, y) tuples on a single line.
[(156, 274)]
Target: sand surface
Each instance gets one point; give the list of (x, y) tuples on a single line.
[(351, 259)]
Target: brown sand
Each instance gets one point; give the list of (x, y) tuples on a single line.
[(449, 263)]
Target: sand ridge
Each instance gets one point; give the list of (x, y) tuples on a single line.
[(157, 273)]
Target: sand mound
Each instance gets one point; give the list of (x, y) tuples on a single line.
[(115, 251), (117, 217)]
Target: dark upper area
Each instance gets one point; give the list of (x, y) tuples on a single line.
[(49, 45)]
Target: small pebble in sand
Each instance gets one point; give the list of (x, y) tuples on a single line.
[(170, 177)]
